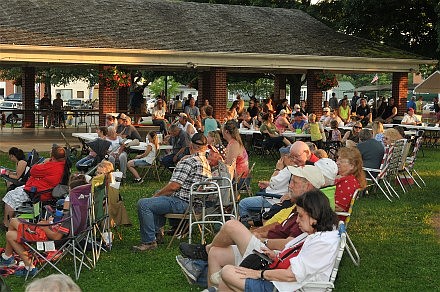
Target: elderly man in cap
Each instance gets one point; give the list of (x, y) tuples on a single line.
[(174, 197), (234, 241)]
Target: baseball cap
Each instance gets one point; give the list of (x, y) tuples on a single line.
[(122, 116), (410, 109), (183, 115), (310, 172), (199, 139), (329, 170), (326, 109)]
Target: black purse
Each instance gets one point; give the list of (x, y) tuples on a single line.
[(256, 261)]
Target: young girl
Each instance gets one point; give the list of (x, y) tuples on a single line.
[(378, 131), (316, 131), (335, 133), (146, 158)]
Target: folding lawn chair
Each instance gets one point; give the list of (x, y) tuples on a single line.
[(408, 167), (153, 167)]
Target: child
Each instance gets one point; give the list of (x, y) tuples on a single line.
[(316, 131), (145, 159), (2, 120), (335, 134), (378, 131)]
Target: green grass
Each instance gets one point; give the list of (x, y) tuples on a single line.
[(399, 248)]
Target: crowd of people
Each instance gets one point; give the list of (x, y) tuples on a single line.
[(296, 204)]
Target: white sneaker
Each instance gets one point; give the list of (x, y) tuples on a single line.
[(216, 278)]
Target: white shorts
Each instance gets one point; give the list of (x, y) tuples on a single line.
[(254, 243), (16, 197)]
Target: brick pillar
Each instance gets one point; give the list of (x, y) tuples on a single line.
[(107, 98), (123, 99), (203, 88), (28, 85), (314, 94), (218, 92), (400, 91), (279, 88)]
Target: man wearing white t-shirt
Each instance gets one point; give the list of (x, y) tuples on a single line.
[(411, 118)]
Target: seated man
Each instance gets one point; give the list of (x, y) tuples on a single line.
[(234, 241), (179, 139), (299, 155), (371, 150), (185, 125), (363, 113), (174, 197), (411, 118), (130, 131), (43, 177), (389, 112)]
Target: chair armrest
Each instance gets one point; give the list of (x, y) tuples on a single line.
[(268, 195), (370, 169), (346, 214)]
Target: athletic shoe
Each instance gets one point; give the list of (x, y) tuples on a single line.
[(7, 263), (23, 272), (138, 181), (194, 251), (188, 268)]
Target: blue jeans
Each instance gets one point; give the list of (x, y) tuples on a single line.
[(151, 211), (258, 285), (250, 205), (88, 160)]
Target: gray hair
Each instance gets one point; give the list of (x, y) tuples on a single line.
[(53, 283), (365, 134)]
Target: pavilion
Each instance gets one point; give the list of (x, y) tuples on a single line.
[(211, 39)]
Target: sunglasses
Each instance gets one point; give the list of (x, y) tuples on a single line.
[(357, 127)]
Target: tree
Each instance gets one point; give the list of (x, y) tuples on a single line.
[(158, 85)]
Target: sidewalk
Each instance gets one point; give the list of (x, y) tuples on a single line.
[(39, 139)]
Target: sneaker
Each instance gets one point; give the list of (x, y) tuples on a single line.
[(160, 237), (138, 181), (24, 272), (211, 289), (7, 263), (145, 246), (194, 251), (188, 268)]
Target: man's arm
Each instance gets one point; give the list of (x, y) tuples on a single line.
[(168, 190)]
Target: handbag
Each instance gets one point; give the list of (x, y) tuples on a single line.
[(254, 261)]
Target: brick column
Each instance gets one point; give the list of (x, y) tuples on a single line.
[(28, 85), (123, 99), (203, 88), (400, 91), (314, 94), (279, 88), (107, 99), (218, 92)]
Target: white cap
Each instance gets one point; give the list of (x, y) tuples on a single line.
[(310, 173), (329, 169)]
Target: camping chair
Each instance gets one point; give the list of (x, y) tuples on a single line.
[(329, 285), (99, 218), (243, 185), (153, 167), (75, 243), (33, 158), (395, 162), (351, 249), (376, 176), (408, 167)]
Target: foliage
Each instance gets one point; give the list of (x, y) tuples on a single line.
[(113, 78), (326, 81), (251, 86), (158, 85), (359, 80)]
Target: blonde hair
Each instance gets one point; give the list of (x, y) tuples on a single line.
[(392, 134), (106, 165), (320, 153), (231, 128), (216, 136), (353, 155), (312, 118), (377, 128)]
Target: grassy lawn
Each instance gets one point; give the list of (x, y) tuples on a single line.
[(398, 245)]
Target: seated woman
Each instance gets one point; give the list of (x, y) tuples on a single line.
[(377, 127), (17, 156), (314, 262), (282, 123), (47, 231), (146, 158), (235, 151), (351, 138), (351, 177), (274, 139), (158, 116), (390, 136)]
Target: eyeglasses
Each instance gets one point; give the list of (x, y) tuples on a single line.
[(357, 127)]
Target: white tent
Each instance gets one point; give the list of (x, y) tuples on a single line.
[(430, 85)]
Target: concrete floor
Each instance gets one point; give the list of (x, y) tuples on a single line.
[(39, 139)]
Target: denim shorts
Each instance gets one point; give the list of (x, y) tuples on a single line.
[(258, 285), (140, 163)]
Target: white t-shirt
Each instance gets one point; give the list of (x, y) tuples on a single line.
[(278, 184), (151, 155), (188, 126), (115, 143), (314, 262), (410, 119)]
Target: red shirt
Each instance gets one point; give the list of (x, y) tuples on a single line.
[(45, 176), (345, 188)]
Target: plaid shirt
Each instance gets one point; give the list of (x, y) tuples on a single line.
[(188, 171)]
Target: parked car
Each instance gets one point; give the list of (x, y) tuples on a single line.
[(14, 97), (429, 107), (11, 117), (75, 104)]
